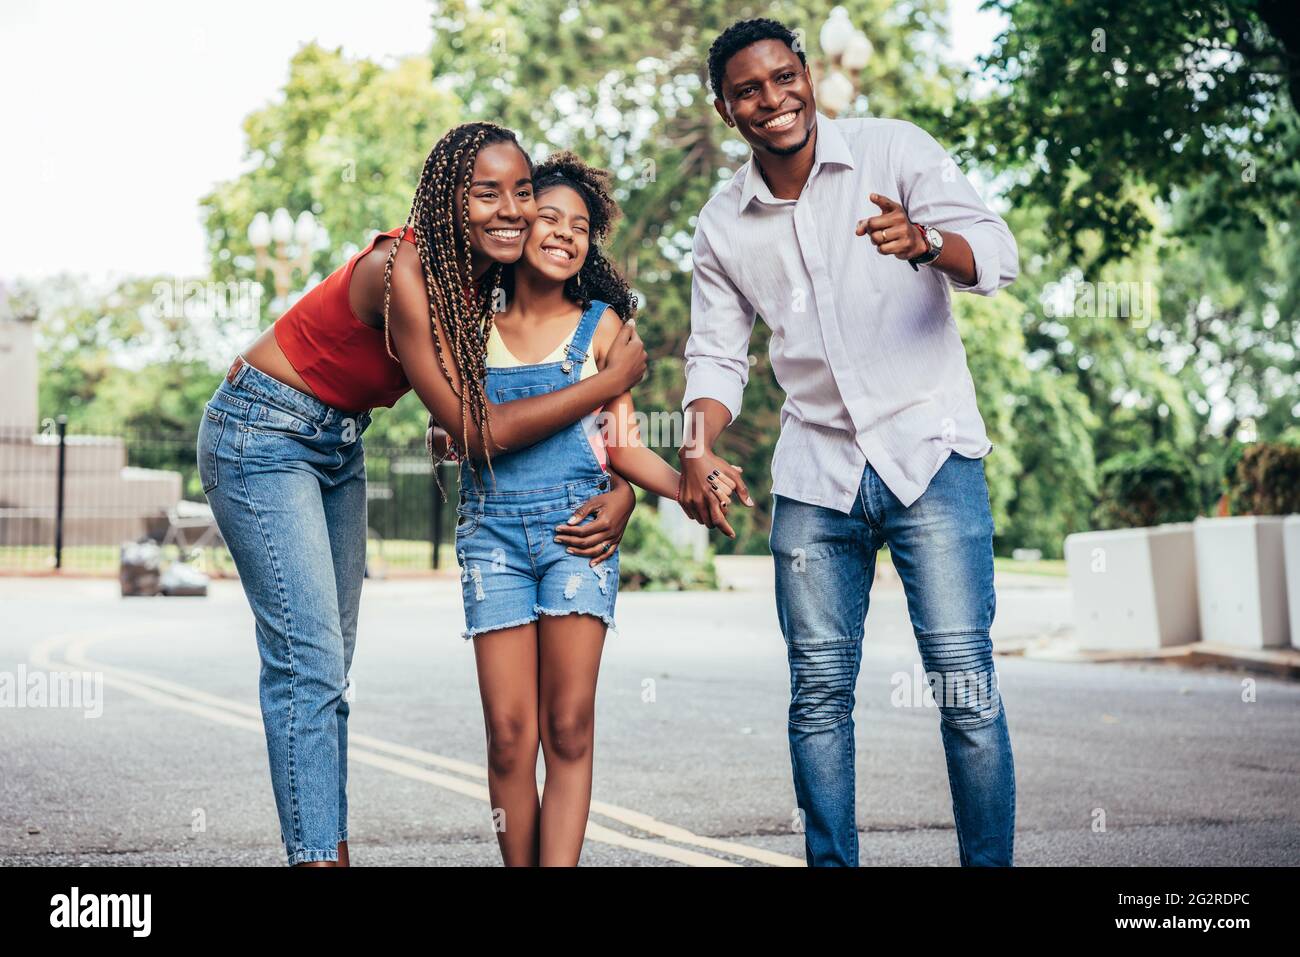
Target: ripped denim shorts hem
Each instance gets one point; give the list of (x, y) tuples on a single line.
[(471, 632), (539, 610), (607, 618)]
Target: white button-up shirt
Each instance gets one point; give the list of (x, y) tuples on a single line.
[(865, 348)]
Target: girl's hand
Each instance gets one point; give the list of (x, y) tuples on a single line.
[(439, 443), (721, 485), (599, 538), (706, 487)]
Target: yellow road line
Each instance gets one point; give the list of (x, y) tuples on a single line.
[(377, 752)]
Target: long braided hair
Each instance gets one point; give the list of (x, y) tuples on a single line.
[(597, 278), (463, 309)]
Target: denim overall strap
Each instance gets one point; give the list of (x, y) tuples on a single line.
[(576, 354), (561, 459)]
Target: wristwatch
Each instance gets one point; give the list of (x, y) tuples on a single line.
[(934, 246)]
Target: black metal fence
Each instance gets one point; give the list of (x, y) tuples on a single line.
[(71, 496)]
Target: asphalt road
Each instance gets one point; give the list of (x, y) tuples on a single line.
[(697, 774)]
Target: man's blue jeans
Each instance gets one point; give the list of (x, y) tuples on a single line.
[(942, 548)]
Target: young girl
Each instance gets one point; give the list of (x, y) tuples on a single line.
[(281, 459), (536, 612)]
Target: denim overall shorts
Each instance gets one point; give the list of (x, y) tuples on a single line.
[(512, 569)]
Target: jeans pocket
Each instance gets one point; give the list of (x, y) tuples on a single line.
[(265, 417), (523, 391), (467, 522), (211, 430)]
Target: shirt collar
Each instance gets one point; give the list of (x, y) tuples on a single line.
[(830, 148)]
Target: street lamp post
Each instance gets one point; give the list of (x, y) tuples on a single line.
[(295, 242), (846, 50)]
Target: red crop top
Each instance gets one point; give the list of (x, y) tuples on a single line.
[(345, 361)]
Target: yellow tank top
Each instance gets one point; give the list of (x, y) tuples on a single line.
[(499, 356)]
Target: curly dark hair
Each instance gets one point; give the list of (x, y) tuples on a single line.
[(745, 33), (598, 278)]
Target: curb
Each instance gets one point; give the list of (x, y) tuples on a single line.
[(1279, 662)]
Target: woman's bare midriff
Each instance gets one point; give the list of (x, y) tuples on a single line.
[(265, 355)]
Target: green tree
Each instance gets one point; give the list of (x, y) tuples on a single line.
[(1041, 473), (1099, 105), (117, 357), (346, 140), (1148, 486), (1230, 315)]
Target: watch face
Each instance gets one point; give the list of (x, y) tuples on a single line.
[(935, 238)]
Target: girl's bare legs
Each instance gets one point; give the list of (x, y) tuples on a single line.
[(570, 647), (507, 681)]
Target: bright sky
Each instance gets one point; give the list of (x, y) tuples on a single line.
[(120, 115)]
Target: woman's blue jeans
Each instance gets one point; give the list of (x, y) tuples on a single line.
[(286, 478), (942, 548)]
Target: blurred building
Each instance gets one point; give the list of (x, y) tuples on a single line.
[(105, 500), (17, 368)]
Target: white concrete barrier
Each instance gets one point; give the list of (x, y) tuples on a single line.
[(1291, 550), (1134, 588), (1241, 581)]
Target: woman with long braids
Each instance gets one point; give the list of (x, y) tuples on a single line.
[(537, 612), (281, 459)]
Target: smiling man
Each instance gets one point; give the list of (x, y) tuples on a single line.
[(847, 236)]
